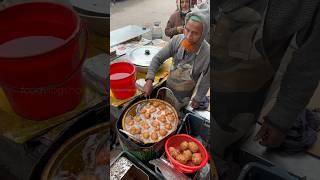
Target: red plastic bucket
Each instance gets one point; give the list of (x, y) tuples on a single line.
[(122, 79), (41, 83)]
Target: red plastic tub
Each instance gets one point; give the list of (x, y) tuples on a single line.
[(40, 63), (174, 141), (122, 80)]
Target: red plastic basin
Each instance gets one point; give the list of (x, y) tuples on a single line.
[(174, 141)]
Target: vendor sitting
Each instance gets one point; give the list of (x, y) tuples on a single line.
[(191, 63)]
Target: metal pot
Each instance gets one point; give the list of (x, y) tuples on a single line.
[(96, 13), (142, 56), (69, 156), (143, 152)]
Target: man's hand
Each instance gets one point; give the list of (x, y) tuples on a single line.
[(147, 88), (180, 29), (195, 104), (270, 136)]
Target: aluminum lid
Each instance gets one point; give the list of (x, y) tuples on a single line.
[(142, 56)]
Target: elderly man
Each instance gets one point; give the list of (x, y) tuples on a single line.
[(191, 60), (177, 19)]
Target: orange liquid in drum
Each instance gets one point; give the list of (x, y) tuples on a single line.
[(118, 76), (29, 46)]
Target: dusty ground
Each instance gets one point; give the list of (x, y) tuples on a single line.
[(140, 12)]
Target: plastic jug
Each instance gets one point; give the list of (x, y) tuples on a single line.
[(157, 30)]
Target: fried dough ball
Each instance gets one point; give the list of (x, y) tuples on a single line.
[(145, 125), (187, 154), (134, 130), (129, 122), (162, 107), (143, 110), (154, 136), (181, 159), (167, 111), (193, 147), (173, 152), (138, 130), (155, 123), (162, 119), (137, 118), (163, 132), (196, 158), (152, 109), (148, 106), (155, 103), (147, 115), (157, 128), (170, 118), (146, 135), (168, 126), (129, 118), (184, 145)]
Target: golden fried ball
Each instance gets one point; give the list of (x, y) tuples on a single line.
[(163, 132), (138, 130), (173, 152), (155, 123), (183, 145), (137, 118), (154, 136), (133, 130), (148, 106), (180, 158), (152, 109), (170, 118), (162, 107), (129, 122), (193, 147), (145, 126), (155, 103), (196, 158), (168, 126), (162, 119), (157, 128), (143, 110), (187, 154), (146, 135), (147, 115), (129, 118), (167, 111)]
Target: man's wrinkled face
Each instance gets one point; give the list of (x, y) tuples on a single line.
[(185, 6), (193, 31)]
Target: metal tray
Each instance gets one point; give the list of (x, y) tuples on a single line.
[(152, 175), (126, 33)]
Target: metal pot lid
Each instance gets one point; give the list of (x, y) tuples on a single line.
[(101, 7), (142, 56)]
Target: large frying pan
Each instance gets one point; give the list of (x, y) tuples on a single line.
[(69, 155)]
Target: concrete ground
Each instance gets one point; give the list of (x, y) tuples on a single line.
[(141, 12)]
